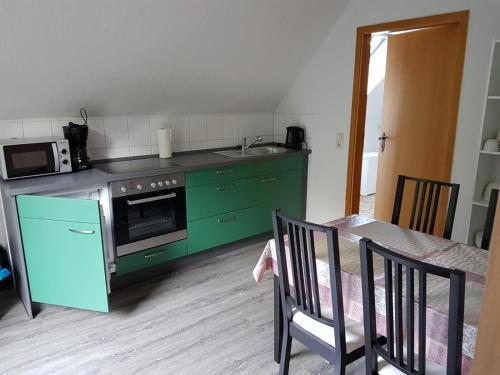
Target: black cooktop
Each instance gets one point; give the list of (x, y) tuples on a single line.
[(135, 165)]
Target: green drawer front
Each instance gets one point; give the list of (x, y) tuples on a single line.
[(52, 208), (214, 199), (221, 229), (151, 257), (222, 174), (285, 163)]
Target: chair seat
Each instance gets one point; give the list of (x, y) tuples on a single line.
[(354, 331), (431, 368)]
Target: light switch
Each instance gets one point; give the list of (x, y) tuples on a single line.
[(340, 141)]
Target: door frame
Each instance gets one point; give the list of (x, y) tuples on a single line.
[(360, 85)]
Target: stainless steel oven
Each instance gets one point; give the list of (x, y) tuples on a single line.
[(21, 158), (148, 212)]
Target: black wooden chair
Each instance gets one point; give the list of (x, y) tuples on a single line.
[(393, 354), (336, 338), (425, 204), (490, 218)]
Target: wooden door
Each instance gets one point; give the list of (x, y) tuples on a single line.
[(419, 116)]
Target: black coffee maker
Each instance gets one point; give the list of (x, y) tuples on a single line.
[(77, 135), (294, 137)]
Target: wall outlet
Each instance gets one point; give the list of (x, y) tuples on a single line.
[(340, 141)]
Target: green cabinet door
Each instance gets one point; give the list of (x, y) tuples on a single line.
[(64, 259), (280, 191)]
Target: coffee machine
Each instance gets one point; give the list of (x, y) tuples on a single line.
[(76, 135)]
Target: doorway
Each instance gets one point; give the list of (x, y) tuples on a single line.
[(405, 103)]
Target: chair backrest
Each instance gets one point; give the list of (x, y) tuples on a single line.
[(426, 202), (303, 272), (490, 218), (393, 353)]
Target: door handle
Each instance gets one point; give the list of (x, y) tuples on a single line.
[(79, 231), (152, 199), (226, 219), (382, 141), (224, 171), (228, 187), (269, 179), (147, 256)]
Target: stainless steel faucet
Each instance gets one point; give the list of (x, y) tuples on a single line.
[(244, 144)]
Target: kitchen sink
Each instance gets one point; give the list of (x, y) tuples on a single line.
[(267, 150), (253, 152)]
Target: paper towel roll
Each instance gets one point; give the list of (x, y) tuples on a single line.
[(165, 143)]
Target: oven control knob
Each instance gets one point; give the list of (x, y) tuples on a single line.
[(153, 185), (174, 181), (160, 184), (123, 189), (65, 161), (139, 187), (64, 151), (167, 182)]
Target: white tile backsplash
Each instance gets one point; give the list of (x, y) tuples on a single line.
[(230, 126), (180, 129), (245, 124), (113, 137), (116, 132), (215, 128), (96, 139), (197, 128), (37, 128), (139, 132), (11, 129)]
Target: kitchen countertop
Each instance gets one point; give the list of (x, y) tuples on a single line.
[(184, 162)]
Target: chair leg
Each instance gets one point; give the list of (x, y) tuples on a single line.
[(286, 349)]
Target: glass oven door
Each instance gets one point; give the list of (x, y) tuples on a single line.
[(31, 159), (148, 220)]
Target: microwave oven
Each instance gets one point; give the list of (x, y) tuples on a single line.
[(20, 158)]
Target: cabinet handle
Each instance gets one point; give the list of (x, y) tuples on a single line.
[(228, 187), (224, 171), (147, 256), (78, 231), (226, 219), (269, 179)]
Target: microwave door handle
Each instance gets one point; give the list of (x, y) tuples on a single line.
[(56, 157), (152, 199)]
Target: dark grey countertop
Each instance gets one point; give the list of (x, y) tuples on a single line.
[(186, 161)]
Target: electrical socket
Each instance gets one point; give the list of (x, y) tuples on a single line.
[(340, 141)]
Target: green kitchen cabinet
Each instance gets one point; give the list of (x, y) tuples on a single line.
[(64, 252), (151, 257), (209, 200), (285, 163), (221, 174), (221, 229), (284, 191)]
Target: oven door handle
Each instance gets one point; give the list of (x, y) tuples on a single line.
[(152, 199)]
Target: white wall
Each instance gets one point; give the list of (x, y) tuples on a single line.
[(324, 90), (113, 137)]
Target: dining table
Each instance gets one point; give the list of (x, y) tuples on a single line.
[(421, 246)]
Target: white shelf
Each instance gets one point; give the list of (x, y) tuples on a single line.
[(493, 97), (480, 203), (489, 153)]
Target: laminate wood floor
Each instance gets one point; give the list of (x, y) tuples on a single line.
[(207, 318)]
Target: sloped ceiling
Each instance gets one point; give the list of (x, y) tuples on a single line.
[(124, 57)]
